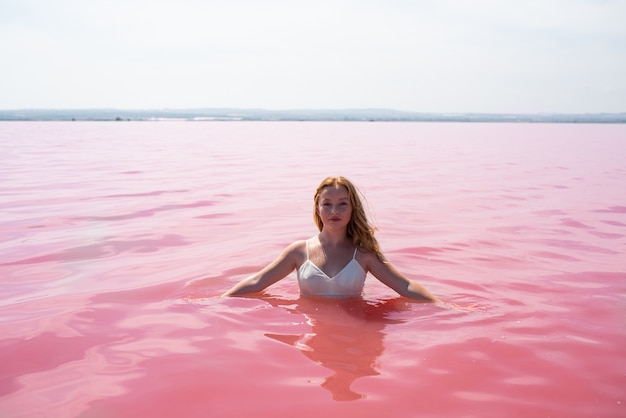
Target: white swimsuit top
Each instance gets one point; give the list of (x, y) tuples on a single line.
[(348, 282)]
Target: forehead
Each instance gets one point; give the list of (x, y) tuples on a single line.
[(334, 192)]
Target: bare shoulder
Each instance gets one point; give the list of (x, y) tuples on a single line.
[(368, 259), (296, 251), (297, 247)]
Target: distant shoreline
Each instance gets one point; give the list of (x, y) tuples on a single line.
[(305, 115)]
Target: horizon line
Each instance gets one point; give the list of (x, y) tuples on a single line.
[(309, 109)]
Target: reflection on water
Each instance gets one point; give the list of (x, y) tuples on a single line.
[(347, 337)]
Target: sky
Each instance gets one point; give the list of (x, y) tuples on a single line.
[(450, 56)]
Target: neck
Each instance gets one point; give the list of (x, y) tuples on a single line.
[(334, 238)]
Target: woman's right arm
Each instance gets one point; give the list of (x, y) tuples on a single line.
[(278, 269)]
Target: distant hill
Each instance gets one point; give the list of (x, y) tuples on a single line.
[(231, 114)]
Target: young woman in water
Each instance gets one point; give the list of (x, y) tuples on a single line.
[(335, 262)]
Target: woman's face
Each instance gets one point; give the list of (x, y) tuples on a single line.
[(334, 207)]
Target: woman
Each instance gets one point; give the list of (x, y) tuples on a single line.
[(335, 262)]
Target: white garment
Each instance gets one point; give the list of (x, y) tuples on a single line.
[(348, 282)]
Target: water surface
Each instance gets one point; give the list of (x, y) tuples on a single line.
[(117, 239)]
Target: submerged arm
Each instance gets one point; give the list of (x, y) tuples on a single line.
[(273, 272)]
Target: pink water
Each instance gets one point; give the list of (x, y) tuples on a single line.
[(117, 238)]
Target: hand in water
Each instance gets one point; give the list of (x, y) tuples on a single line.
[(474, 307)]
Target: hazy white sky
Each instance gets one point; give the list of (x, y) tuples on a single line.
[(426, 56)]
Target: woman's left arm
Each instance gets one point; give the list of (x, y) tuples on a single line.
[(390, 276)]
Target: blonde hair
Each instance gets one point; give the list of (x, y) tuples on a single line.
[(359, 229)]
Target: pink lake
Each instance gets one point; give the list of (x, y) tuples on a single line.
[(118, 238)]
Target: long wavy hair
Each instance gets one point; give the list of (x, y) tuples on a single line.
[(359, 230)]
